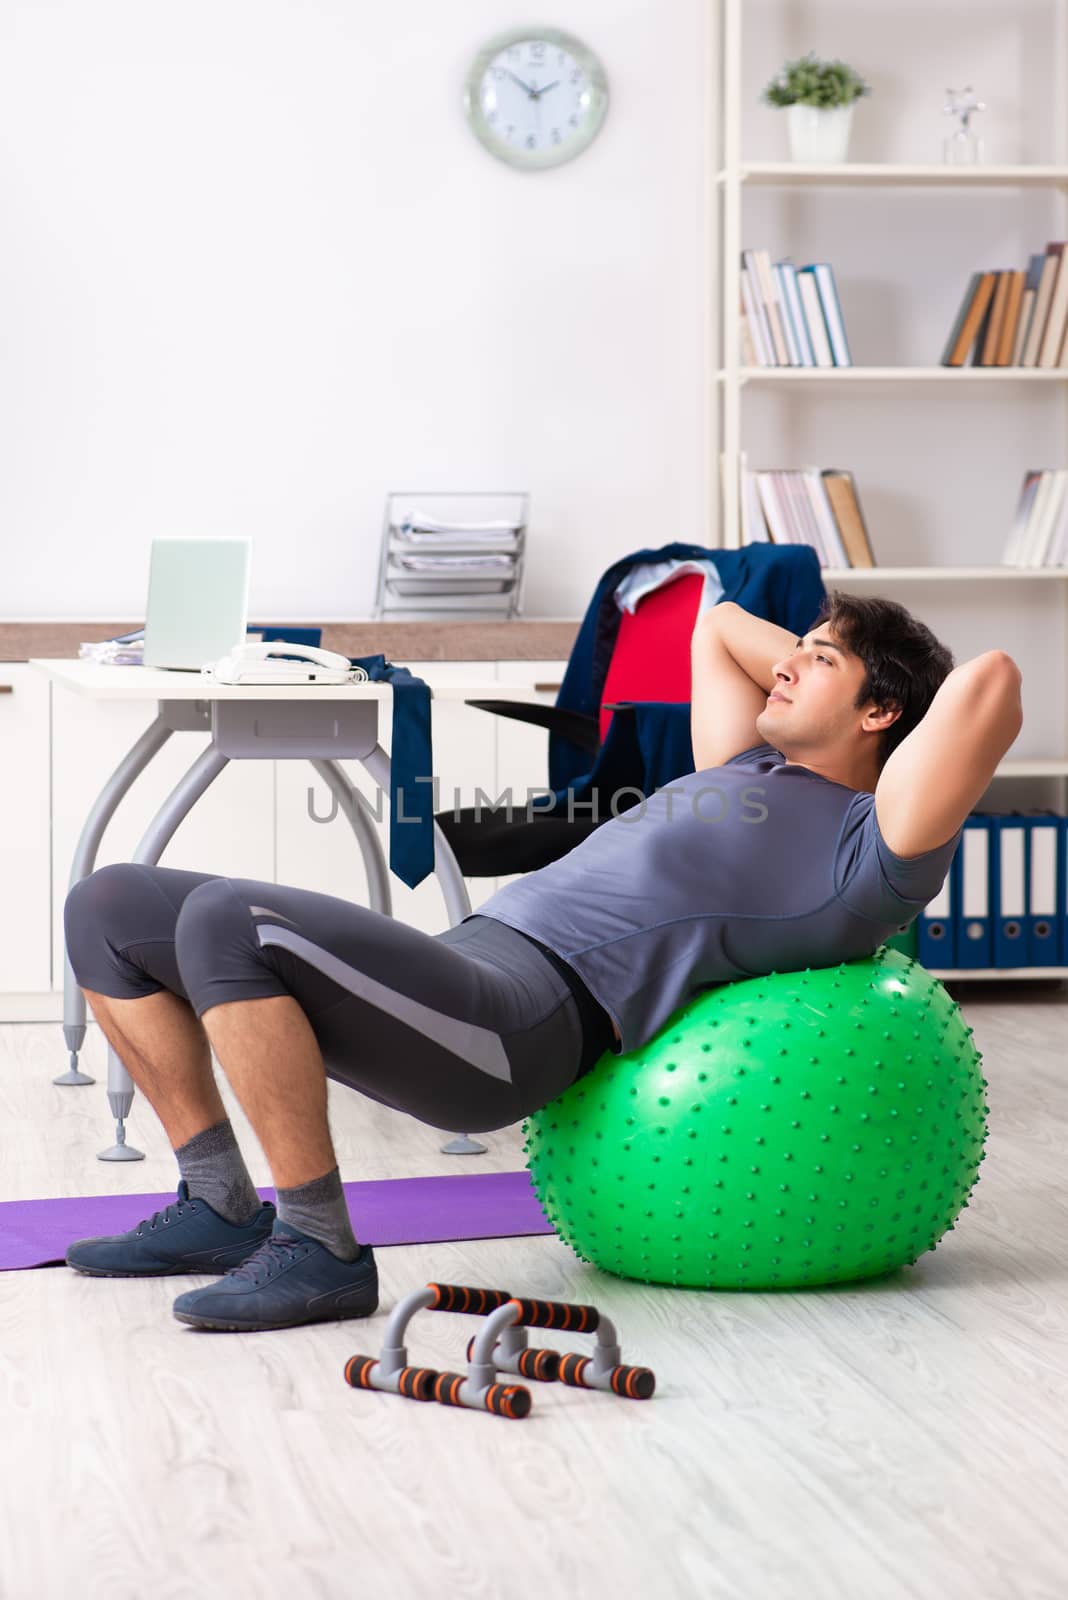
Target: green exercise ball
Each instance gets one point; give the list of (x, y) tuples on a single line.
[(804, 1128)]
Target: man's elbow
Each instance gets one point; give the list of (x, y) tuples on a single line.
[(707, 620), (993, 681), (994, 667), (999, 663), (707, 624)]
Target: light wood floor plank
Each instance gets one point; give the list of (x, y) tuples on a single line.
[(903, 1438)]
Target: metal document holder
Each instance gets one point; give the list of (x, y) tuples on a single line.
[(407, 588)]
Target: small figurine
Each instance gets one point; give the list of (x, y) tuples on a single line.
[(963, 148)]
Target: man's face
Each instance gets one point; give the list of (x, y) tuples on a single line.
[(812, 706)]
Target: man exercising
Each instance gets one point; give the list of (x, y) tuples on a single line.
[(833, 776)]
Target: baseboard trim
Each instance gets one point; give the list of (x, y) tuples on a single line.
[(31, 1007)]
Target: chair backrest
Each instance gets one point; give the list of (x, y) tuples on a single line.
[(651, 658)]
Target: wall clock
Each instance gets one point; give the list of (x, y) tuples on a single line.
[(536, 97)]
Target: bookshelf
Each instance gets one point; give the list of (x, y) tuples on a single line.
[(747, 42)]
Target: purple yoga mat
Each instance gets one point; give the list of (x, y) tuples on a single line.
[(476, 1205)]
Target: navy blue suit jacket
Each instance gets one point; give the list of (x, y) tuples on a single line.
[(780, 583)]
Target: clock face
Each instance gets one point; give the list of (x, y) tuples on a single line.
[(536, 99)]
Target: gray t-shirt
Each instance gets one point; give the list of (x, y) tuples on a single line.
[(753, 867)]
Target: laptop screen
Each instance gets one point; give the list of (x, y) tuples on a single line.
[(197, 607)]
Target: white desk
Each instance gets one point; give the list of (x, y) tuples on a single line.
[(334, 721)]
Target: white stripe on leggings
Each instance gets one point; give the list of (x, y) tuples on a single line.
[(480, 1047)]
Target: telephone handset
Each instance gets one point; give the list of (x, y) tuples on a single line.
[(272, 662)]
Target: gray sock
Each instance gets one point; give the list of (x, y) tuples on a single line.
[(319, 1210), (214, 1168)]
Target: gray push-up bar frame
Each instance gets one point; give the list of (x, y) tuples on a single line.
[(501, 1346)]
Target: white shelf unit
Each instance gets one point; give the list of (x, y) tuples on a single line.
[(999, 974), (942, 375), (730, 178), (789, 173), (945, 574)]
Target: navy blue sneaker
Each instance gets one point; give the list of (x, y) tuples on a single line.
[(186, 1236), (292, 1279)]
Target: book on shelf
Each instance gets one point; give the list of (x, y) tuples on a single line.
[(1013, 302), (983, 330), (1053, 334), (749, 355), (775, 529), (829, 535), (1031, 484), (970, 317), (755, 349), (791, 316), (1039, 533), (987, 357), (793, 343), (845, 503), (815, 321), (813, 506), (1041, 311), (823, 273), (770, 296), (756, 311), (797, 314), (754, 526), (1014, 317), (1027, 307)]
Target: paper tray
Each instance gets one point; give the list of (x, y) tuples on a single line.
[(428, 584)]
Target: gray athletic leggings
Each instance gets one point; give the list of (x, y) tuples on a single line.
[(471, 1029)]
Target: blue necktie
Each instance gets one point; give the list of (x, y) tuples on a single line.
[(411, 789)]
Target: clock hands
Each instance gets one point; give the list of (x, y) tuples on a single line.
[(529, 89), (533, 93)]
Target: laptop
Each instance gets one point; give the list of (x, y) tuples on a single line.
[(197, 606)]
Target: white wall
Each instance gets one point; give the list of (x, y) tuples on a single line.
[(256, 272)]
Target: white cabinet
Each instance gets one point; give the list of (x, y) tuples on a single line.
[(230, 831), (25, 955)]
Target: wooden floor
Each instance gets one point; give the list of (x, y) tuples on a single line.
[(902, 1438)]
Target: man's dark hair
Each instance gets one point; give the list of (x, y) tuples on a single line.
[(904, 663)]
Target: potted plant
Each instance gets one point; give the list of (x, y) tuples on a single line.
[(820, 96)]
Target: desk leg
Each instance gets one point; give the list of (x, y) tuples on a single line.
[(161, 830), (457, 904), (356, 808), (446, 869), (129, 768)]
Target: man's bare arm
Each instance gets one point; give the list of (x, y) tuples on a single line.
[(941, 769), (733, 655)]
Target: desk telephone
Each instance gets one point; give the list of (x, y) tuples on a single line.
[(281, 662)]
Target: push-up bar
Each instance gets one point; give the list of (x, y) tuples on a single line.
[(500, 1346)]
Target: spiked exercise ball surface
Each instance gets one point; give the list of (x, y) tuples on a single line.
[(804, 1128)]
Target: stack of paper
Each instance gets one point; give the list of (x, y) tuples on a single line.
[(127, 650), (457, 563), (422, 528)]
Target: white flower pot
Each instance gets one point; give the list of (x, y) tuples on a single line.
[(817, 135)]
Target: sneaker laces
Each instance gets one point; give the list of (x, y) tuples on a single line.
[(275, 1253), (160, 1218)]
